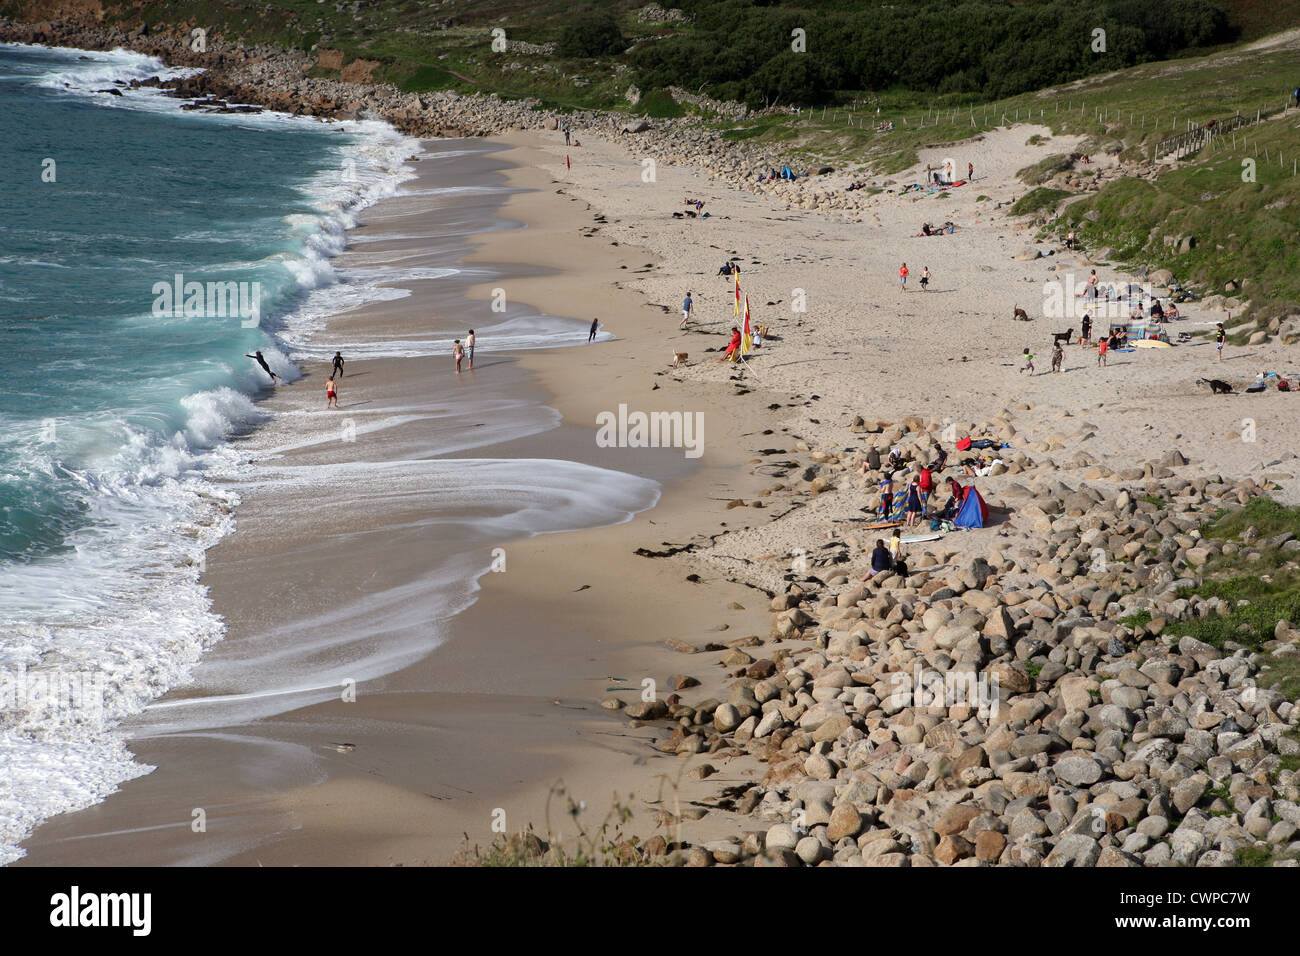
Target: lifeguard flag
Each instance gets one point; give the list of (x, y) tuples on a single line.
[(567, 164), (748, 340), (737, 309)]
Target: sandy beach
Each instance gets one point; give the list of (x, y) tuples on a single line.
[(504, 709), (460, 718)]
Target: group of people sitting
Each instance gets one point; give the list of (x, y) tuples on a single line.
[(786, 173), (928, 230), (920, 487)]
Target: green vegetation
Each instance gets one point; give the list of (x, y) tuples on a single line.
[(660, 103), (1258, 600), (1038, 199), (590, 34), (1044, 169), (1137, 619), (749, 50)]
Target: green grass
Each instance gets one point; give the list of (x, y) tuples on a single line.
[(1261, 512), (1044, 169), (1037, 200), (1137, 619), (1258, 856), (1258, 600), (659, 104)]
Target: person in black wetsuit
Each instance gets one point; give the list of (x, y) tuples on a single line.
[(338, 365), (595, 327), (262, 362)]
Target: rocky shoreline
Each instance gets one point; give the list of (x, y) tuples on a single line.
[(1105, 740)]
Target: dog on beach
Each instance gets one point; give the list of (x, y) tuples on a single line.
[(679, 359), (1062, 336), (1021, 315), (1217, 385)]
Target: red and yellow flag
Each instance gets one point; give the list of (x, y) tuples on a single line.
[(748, 339), (737, 309)]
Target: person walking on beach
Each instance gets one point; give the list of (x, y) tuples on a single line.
[(1220, 336), (458, 352), (1058, 356), (567, 139), (902, 277), (331, 394), (970, 172), (1085, 337), (469, 349), (925, 278), (338, 365), (595, 327), (687, 305), (1102, 346), (1029, 362), (261, 360)]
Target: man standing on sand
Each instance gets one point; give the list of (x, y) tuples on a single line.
[(970, 172), (595, 327), (469, 346), (458, 353), (1085, 338), (1220, 336), (687, 305), (902, 277), (338, 365)]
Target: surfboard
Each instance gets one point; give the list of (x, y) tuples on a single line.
[(1152, 344), (917, 538), (881, 524)]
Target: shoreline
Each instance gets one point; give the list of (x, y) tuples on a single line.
[(413, 697)]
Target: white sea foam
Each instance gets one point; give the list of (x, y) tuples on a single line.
[(137, 617)]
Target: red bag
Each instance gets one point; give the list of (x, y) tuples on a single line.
[(963, 443)]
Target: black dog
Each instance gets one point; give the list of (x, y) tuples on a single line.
[(1062, 336), (1217, 386)]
